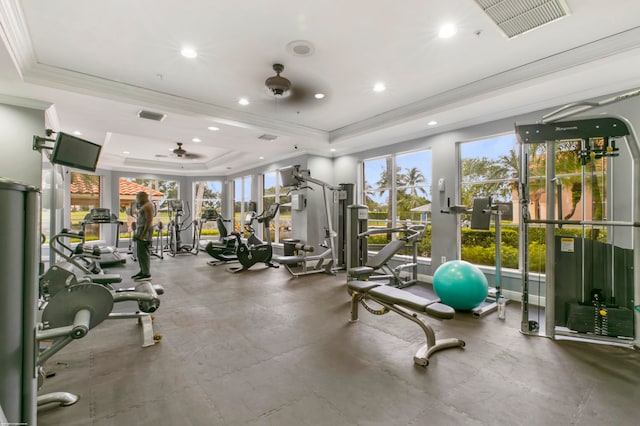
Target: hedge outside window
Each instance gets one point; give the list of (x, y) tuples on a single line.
[(489, 168)]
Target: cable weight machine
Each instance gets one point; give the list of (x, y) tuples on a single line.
[(591, 279)]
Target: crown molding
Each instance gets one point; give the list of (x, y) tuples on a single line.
[(15, 35), (600, 49), (25, 102)]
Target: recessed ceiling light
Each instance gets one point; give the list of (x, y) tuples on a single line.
[(379, 87), (126, 152), (189, 52), (77, 133), (432, 123), (319, 95), (332, 150), (447, 30), (213, 128), (261, 157), (196, 140), (243, 101), (170, 149)]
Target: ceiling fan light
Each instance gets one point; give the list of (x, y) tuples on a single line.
[(278, 85)]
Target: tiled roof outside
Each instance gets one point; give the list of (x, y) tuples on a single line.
[(85, 184), (132, 188), (88, 184)]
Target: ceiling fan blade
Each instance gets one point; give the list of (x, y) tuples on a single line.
[(299, 94), (192, 156)]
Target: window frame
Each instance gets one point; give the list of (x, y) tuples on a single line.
[(393, 187)]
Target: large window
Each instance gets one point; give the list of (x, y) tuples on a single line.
[(397, 191), (581, 194), (241, 198), (207, 195), (159, 191), (85, 195), (272, 193), (489, 168)]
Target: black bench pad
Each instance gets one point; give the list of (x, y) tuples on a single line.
[(419, 304), (385, 254), (361, 270), (362, 286), (287, 260)]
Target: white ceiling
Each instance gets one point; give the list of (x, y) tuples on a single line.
[(100, 62)]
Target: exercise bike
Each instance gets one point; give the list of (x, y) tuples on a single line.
[(254, 250), (223, 250)]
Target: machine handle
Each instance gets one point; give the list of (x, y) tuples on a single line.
[(81, 324)]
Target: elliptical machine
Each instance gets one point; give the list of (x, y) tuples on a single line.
[(180, 221), (254, 250)]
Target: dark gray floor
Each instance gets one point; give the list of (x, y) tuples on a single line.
[(261, 348)]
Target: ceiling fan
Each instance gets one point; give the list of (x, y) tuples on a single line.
[(281, 88), (182, 153)]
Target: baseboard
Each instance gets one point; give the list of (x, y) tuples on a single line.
[(509, 294)]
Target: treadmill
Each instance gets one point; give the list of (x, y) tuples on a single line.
[(108, 255)]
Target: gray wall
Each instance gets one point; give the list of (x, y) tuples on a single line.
[(18, 160)]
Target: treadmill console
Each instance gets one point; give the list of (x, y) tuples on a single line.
[(99, 215)]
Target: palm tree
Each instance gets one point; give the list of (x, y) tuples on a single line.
[(384, 185), (410, 192), (411, 180)]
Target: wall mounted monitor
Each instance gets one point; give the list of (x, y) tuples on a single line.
[(72, 151)]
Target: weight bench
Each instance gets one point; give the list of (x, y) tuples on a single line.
[(304, 263), (400, 302), (377, 267)]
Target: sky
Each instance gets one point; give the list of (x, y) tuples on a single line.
[(491, 148)]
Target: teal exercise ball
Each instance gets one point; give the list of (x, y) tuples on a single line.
[(460, 285)]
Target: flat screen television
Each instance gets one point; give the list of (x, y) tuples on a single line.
[(72, 151)]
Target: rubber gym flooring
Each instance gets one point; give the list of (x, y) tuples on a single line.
[(262, 348)]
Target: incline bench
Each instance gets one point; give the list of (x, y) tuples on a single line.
[(400, 301)]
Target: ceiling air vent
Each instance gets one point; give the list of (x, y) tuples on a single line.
[(515, 17), (149, 115), (268, 137)]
